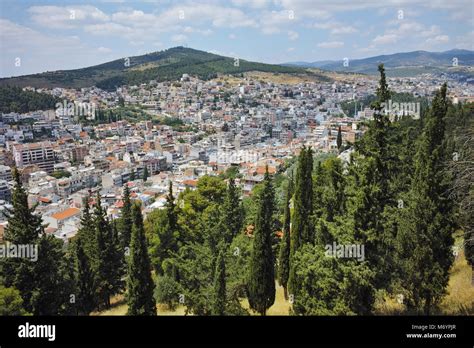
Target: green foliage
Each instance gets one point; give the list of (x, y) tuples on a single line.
[(140, 285), (220, 286), (302, 231), (285, 244), (14, 99), (86, 300), (167, 291), (11, 302), (329, 286), (424, 239), (166, 65), (261, 284), (232, 213), (126, 221), (39, 283), (339, 138), (58, 174), (109, 265)]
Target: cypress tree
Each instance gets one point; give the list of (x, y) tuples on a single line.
[(48, 282), (232, 217), (126, 218), (145, 174), (339, 138), (372, 189), (284, 257), (219, 287), (85, 280), (261, 285), (302, 229), (109, 267), (171, 210), (426, 227), (40, 282), (139, 281)]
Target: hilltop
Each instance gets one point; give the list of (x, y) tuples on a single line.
[(164, 65)]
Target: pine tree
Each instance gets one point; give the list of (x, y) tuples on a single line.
[(140, 284), (232, 215), (85, 281), (126, 218), (339, 138), (219, 288), (284, 257), (261, 285)]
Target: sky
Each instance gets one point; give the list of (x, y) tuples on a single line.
[(38, 36)]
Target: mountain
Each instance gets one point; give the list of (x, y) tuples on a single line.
[(400, 64), (164, 65)]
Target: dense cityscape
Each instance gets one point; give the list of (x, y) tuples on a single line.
[(326, 173)]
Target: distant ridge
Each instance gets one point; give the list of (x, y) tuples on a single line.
[(399, 63), (164, 65)]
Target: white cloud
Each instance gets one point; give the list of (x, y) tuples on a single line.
[(272, 22), (439, 39), (104, 50), (251, 3), (336, 28), (331, 44), (385, 39), (66, 17), (293, 35), (179, 38)]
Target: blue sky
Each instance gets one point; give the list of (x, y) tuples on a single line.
[(37, 36)]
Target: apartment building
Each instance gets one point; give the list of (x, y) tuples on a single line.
[(40, 154)]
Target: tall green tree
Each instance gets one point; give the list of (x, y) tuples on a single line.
[(261, 284), (219, 306), (164, 232), (424, 240), (86, 300), (339, 138), (146, 174), (302, 229), (140, 284), (39, 282), (109, 268), (284, 257), (232, 215), (126, 221), (371, 193)]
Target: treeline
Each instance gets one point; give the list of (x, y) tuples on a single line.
[(396, 204), (14, 99)]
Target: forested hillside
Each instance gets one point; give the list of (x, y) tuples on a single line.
[(14, 99), (164, 65)]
